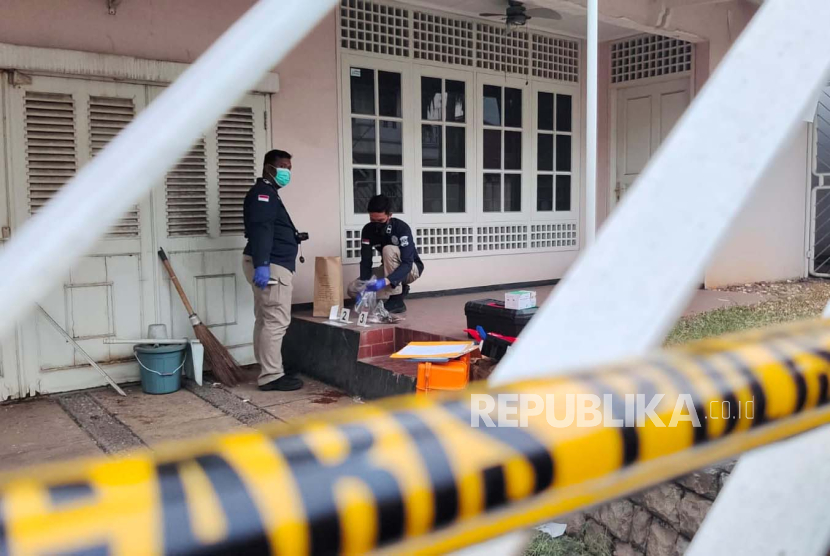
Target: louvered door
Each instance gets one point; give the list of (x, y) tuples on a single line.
[(201, 228), (58, 125)]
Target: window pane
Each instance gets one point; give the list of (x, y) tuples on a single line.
[(545, 111), (563, 192), (492, 105), (512, 193), (363, 91), (512, 150), (391, 143), (456, 147), (363, 141), (364, 188), (563, 153), (431, 99), (389, 94), (456, 192), (431, 146), (492, 192), (544, 193), (563, 112), (512, 107), (391, 185), (492, 149), (433, 192), (456, 109), (544, 152)]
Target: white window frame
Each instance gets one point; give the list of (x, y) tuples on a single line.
[(514, 83), (471, 189), (411, 70), (576, 151), (409, 136)]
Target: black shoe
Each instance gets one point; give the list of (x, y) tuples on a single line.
[(405, 290), (395, 305), (283, 384)]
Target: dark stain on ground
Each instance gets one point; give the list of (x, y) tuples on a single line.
[(329, 396)]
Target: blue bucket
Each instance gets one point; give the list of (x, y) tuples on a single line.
[(161, 367)]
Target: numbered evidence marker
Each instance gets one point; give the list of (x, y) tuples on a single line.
[(336, 318), (363, 319)]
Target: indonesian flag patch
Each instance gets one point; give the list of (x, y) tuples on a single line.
[(264, 198)]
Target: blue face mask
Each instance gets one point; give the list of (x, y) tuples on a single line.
[(282, 177)]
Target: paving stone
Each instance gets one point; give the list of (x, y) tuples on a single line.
[(175, 416), (705, 482), (574, 523), (311, 389), (722, 479), (617, 517), (661, 540), (624, 549), (230, 404), (111, 434), (39, 431), (640, 525), (692, 510), (663, 502), (300, 408), (682, 546)]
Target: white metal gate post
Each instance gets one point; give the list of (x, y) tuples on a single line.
[(591, 108)]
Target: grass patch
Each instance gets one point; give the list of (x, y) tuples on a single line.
[(784, 303), (545, 545)]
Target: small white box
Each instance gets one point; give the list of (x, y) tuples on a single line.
[(521, 299)]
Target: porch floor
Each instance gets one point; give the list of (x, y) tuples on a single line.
[(96, 422), (99, 421)]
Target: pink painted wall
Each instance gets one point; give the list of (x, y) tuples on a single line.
[(304, 112), (767, 242), (305, 117), (754, 250), (176, 31)]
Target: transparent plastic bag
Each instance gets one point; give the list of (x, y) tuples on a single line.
[(368, 302)]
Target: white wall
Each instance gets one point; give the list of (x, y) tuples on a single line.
[(767, 243)]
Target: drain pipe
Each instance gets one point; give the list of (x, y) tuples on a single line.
[(591, 126)]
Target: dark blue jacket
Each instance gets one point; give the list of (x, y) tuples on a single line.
[(376, 237), (272, 237)]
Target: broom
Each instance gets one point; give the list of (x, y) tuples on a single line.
[(224, 367)]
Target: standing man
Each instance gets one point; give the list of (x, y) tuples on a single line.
[(269, 263), (401, 266)]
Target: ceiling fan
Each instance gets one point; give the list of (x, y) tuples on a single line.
[(517, 14)]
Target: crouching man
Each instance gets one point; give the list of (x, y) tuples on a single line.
[(401, 265)]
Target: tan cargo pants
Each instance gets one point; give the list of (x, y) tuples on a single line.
[(272, 309), (391, 260)]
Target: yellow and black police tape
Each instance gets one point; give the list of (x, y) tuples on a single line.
[(412, 474)]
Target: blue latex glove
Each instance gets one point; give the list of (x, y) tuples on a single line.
[(262, 275), (377, 285)]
